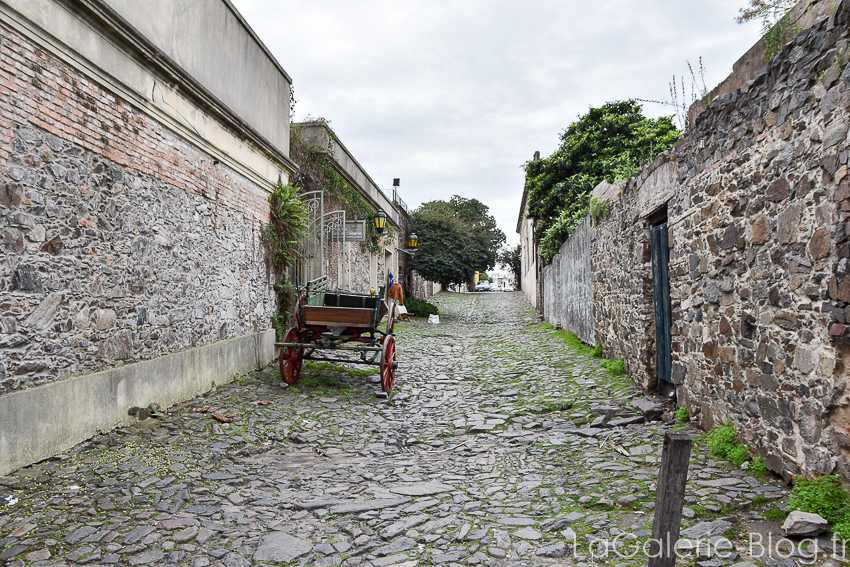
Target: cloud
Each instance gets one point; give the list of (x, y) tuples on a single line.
[(453, 97)]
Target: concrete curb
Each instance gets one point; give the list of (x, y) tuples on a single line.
[(40, 422)]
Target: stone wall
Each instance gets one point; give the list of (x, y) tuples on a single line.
[(126, 236), (622, 292), (758, 202), (568, 286), (420, 288), (121, 241)]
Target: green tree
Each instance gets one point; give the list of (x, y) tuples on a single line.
[(610, 142), (456, 239)]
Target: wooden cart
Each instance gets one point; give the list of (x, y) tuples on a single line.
[(339, 321)]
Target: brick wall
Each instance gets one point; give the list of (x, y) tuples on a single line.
[(121, 241)]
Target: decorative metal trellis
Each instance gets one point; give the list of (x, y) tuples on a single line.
[(311, 246), (322, 249), (333, 224)]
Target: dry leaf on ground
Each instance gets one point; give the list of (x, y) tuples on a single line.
[(619, 448)]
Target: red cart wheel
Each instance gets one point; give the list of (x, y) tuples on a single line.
[(290, 358), (388, 363), (391, 318)]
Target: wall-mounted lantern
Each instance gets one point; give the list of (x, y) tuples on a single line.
[(380, 221), (412, 241)]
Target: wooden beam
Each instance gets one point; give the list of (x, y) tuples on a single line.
[(669, 499)]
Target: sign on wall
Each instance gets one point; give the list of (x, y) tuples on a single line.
[(355, 231)]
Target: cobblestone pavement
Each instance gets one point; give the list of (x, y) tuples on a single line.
[(485, 455)]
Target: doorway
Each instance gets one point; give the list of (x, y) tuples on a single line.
[(660, 246)]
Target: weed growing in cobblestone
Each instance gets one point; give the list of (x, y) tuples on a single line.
[(723, 443), (757, 467), (614, 366), (330, 367), (824, 496), (775, 514), (682, 415), (737, 455)]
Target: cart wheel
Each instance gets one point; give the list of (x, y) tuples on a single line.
[(388, 363), (290, 358), (391, 319)]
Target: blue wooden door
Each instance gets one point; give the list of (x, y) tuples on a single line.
[(661, 287)]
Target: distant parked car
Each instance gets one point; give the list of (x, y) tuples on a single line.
[(482, 286)]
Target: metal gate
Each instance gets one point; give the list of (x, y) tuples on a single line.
[(333, 252), (310, 247), (661, 288), (322, 249)]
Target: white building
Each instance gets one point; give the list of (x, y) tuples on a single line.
[(529, 278)]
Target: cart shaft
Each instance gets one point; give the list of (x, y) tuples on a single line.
[(346, 361), (329, 347)]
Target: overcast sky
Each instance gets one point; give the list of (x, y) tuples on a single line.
[(453, 97)]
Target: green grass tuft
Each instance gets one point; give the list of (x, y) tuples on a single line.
[(575, 343), (842, 527), (614, 367), (737, 455), (723, 443), (682, 415), (722, 439)]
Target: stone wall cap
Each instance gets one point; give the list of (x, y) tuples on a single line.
[(605, 190)]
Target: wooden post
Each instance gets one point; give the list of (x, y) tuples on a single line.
[(669, 499)]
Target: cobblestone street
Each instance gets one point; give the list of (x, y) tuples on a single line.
[(483, 455)]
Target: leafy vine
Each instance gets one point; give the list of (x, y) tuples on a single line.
[(317, 171), (775, 21), (287, 223)]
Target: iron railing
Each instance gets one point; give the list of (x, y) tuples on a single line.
[(398, 201)]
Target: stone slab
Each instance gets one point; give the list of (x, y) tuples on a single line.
[(368, 505), (422, 489), (282, 547)]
